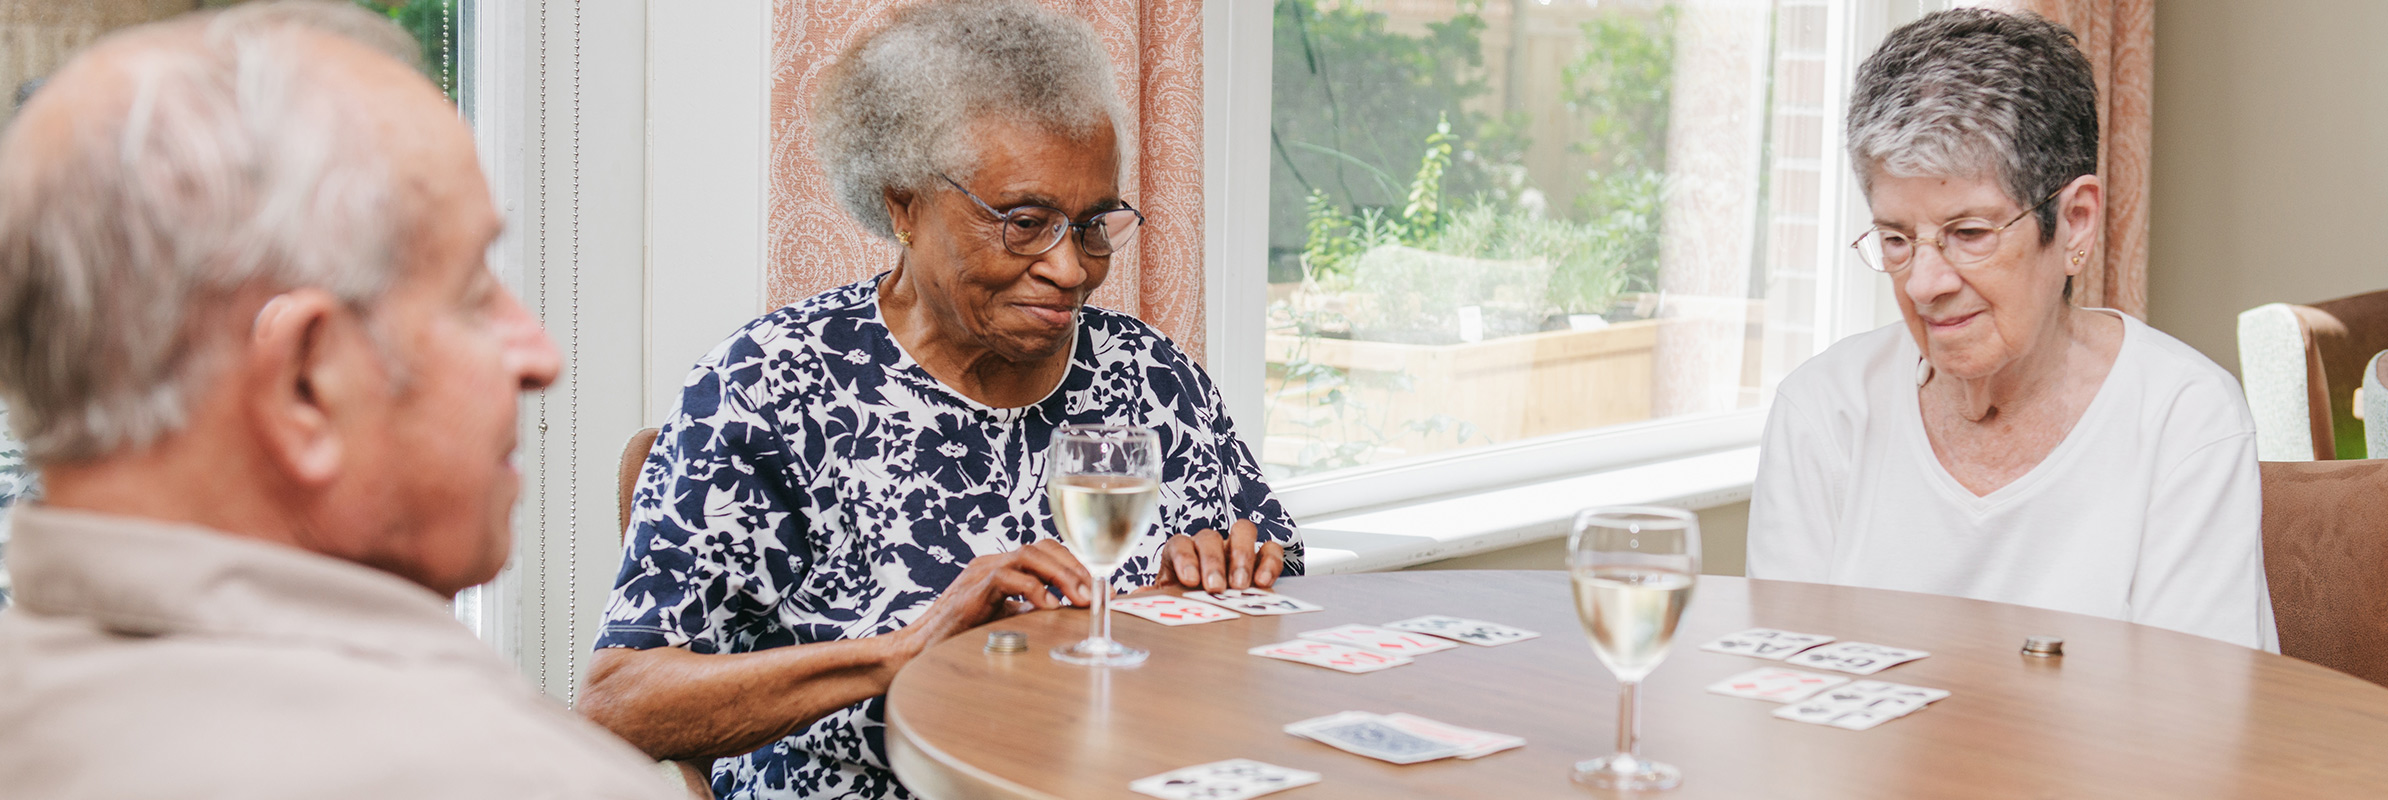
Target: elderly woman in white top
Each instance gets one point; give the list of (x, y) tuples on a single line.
[(2001, 443)]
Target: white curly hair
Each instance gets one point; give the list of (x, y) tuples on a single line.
[(897, 108)]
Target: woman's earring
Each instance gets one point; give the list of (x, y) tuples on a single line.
[(2078, 255), (905, 238), (1923, 371)]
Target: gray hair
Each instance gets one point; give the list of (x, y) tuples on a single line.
[(221, 160), (896, 108), (1971, 92)]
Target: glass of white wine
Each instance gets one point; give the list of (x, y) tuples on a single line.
[(1633, 569), (1104, 482)]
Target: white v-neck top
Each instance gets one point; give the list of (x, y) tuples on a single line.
[(2149, 511)]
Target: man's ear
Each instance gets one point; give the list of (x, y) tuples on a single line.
[(298, 374)]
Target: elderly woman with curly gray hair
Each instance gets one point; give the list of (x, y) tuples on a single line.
[(1999, 442), (857, 476)]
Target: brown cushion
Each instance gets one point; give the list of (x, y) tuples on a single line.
[(2326, 557)]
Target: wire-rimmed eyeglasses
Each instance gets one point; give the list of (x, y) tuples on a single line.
[(1032, 230), (1964, 242)]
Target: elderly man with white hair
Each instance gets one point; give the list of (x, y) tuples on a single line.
[(247, 335)]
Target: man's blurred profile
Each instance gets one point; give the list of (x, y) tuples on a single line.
[(247, 335)]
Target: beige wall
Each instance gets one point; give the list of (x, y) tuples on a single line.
[(2271, 160)]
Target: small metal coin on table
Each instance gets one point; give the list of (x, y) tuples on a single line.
[(2126, 711)]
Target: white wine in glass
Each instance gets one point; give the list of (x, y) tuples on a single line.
[(1633, 569), (1104, 482)]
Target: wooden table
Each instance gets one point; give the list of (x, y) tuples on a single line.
[(2129, 711)]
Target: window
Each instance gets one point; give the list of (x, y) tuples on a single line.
[(1495, 222)]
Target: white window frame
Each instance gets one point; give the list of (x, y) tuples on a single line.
[(1237, 57)]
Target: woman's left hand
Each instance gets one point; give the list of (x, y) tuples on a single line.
[(1216, 563)]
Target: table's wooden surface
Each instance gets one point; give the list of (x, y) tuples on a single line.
[(2129, 711)]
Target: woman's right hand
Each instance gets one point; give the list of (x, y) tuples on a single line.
[(981, 592)]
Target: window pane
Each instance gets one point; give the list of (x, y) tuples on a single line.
[(1493, 220)]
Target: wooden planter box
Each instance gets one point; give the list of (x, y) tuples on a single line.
[(1510, 388)]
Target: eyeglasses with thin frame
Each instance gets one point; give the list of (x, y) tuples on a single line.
[(1032, 230), (1964, 242)]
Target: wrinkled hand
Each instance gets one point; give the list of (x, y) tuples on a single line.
[(986, 588), (1212, 563)]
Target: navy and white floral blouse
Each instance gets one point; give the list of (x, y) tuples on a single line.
[(817, 484)]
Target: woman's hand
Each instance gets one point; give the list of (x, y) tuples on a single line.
[(1213, 563), (983, 590)]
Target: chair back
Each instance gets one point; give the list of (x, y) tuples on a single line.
[(2326, 559), (2301, 365), (634, 456)]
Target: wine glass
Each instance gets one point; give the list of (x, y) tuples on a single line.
[(1633, 569), (1104, 482)]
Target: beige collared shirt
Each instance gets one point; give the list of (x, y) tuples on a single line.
[(152, 660)]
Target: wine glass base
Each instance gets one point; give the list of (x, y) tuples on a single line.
[(1099, 653), (1623, 772)]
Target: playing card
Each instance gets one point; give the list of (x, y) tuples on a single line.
[(1776, 684), (1766, 643), (1255, 601), (1861, 705), (1379, 639), (1854, 657), (1474, 743), (1233, 779), (1330, 655), (1169, 610), (1371, 736), (1475, 632)]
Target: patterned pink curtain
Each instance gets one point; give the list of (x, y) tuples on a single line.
[(1156, 47), (2119, 36)]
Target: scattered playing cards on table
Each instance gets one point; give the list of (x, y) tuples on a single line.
[(1169, 610), (1766, 643), (1400, 738), (1776, 684), (1465, 630), (1861, 705), (1380, 640), (1233, 779), (1330, 655), (1255, 601), (1854, 657)]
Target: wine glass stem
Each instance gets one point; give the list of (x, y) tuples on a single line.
[(1629, 720), (1101, 589)]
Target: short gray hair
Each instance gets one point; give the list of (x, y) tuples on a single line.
[(896, 108), (1974, 92), (226, 163)]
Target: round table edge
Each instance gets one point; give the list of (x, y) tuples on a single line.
[(932, 774)]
